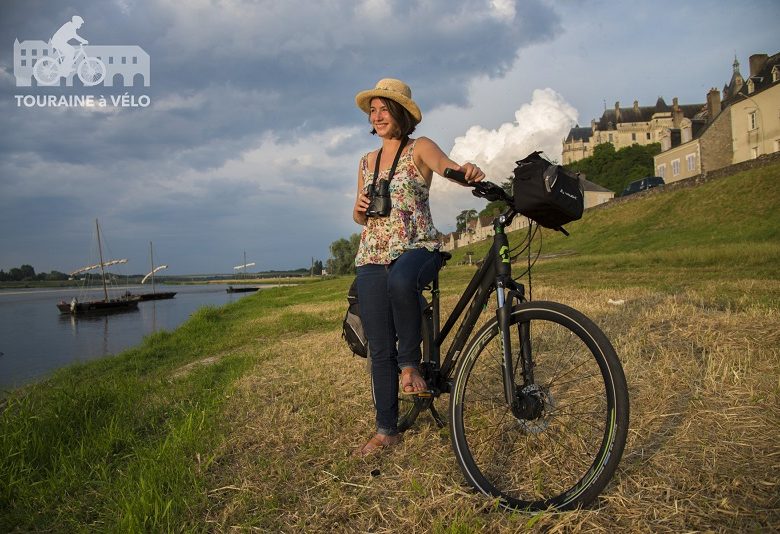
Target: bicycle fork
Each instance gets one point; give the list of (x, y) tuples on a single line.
[(507, 290)]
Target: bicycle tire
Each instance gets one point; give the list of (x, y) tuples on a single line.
[(91, 71), (565, 456), (46, 71)]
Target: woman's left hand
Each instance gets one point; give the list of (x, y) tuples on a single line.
[(472, 172)]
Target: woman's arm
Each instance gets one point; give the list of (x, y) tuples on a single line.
[(430, 158), (362, 201)]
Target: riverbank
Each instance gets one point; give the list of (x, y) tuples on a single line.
[(244, 416)]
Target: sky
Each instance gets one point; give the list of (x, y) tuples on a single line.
[(248, 139)]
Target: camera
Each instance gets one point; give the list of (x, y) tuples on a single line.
[(379, 195)]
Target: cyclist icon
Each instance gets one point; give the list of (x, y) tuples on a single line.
[(48, 70)]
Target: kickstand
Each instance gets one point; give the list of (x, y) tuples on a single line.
[(437, 417)]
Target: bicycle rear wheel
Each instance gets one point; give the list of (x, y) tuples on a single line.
[(560, 445)]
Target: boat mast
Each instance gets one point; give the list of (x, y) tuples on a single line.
[(151, 258), (102, 269)]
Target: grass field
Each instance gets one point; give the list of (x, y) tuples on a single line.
[(244, 417)]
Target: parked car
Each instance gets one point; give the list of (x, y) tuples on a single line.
[(648, 182)]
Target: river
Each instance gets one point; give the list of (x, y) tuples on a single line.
[(35, 339)]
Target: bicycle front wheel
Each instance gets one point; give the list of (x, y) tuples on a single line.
[(91, 71), (558, 443)]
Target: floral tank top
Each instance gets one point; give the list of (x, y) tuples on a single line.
[(409, 225)]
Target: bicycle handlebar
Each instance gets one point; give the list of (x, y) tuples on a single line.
[(487, 190)]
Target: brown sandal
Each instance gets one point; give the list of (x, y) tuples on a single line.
[(408, 376), (376, 444)]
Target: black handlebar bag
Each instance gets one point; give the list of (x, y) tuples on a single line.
[(546, 193)]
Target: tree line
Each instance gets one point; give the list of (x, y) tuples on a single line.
[(26, 273)]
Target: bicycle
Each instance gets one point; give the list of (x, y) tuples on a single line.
[(538, 399), (90, 70)]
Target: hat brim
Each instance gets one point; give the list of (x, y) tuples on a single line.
[(363, 101)]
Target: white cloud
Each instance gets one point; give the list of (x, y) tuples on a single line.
[(539, 125)]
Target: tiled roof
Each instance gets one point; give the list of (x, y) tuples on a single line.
[(579, 133), (643, 113)]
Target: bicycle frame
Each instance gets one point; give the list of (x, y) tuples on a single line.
[(495, 274)]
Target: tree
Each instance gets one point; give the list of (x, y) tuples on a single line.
[(343, 252), (462, 220), (614, 169)]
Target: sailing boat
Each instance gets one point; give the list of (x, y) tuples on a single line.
[(107, 304), (154, 295), (245, 289)]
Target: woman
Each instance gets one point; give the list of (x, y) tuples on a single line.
[(398, 253)]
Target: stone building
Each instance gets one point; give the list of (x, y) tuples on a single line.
[(626, 126), (739, 123)]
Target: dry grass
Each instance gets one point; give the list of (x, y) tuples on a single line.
[(702, 455)]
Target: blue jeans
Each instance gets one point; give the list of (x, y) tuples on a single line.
[(391, 311)]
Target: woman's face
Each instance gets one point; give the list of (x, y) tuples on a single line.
[(382, 121)]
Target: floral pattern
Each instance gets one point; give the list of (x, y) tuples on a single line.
[(409, 225)]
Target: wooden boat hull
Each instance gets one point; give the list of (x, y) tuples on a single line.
[(155, 296), (98, 306), (232, 289)]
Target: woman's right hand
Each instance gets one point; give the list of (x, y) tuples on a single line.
[(361, 205)]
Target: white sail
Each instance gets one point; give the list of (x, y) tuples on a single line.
[(97, 266), (237, 267), (159, 268)]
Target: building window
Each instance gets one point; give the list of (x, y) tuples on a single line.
[(135, 60), (24, 51), (691, 159), (45, 52), (23, 62), (777, 145), (648, 136), (124, 60), (610, 138), (675, 167), (754, 152), (111, 60), (34, 52), (633, 136), (661, 170), (752, 122), (751, 86)]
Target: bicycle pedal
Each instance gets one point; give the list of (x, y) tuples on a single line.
[(428, 393)]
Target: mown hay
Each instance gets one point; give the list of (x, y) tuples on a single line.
[(702, 454)]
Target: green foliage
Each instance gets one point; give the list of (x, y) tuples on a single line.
[(616, 169), (463, 219), (343, 252), (26, 273)]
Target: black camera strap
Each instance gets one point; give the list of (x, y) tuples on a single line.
[(395, 161)]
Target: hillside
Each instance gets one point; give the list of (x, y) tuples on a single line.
[(725, 227)]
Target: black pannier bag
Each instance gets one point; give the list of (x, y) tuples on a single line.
[(546, 193), (352, 326)]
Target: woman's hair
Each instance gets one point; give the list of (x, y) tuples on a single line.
[(406, 123)]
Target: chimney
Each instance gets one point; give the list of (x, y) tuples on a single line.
[(636, 106), (617, 112), (592, 125), (675, 106), (757, 62), (713, 104)]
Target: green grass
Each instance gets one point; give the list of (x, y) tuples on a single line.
[(211, 425)]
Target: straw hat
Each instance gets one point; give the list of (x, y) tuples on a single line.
[(394, 90)]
